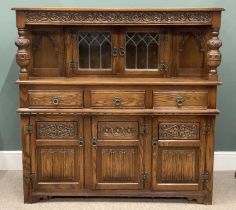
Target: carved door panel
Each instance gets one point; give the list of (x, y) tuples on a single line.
[(57, 153), (178, 159), (91, 50), (145, 50), (117, 152)]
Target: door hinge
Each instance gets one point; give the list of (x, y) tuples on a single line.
[(144, 128), (29, 129), (31, 176), (205, 177), (144, 175), (207, 128)]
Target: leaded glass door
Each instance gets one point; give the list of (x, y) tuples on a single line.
[(91, 50), (144, 51)]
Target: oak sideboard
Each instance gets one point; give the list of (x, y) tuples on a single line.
[(118, 102)]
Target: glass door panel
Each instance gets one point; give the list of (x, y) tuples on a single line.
[(146, 50), (90, 50)]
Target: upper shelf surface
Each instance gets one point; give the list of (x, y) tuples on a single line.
[(114, 9)]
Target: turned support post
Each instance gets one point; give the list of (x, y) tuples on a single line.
[(23, 55), (213, 55)]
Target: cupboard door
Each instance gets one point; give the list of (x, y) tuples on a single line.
[(117, 152), (145, 51), (57, 153), (91, 50), (178, 153)]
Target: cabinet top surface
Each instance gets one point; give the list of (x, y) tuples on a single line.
[(114, 9)]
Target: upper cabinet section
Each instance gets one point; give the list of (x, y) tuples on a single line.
[(56, 42), (117, 50)]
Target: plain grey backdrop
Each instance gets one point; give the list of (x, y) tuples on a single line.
[(9, 121)]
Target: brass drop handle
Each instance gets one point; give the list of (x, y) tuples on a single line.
[(94, 142), (55, 100), (81, 142), (115, 51), (122, 51), (117, 101), (154, 142), (179, 101)]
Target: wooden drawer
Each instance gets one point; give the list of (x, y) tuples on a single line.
[(176, 99), (55, 98), (118, 98)]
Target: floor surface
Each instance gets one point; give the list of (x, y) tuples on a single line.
[(11, 198)]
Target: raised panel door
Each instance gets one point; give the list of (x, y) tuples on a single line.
[(117, 152), (178, 158), (57, 153)]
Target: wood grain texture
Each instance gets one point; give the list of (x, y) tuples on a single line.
[(125, 99), (55, 99)]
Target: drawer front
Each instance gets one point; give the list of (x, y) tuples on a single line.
[(55, 98), (118, 99), (189, 99)]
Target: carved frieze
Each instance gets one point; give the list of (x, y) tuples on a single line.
[(117, 17), (178, 130), (57, 130)]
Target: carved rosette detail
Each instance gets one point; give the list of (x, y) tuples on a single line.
[(22, 55), (214, 54), (117, 17), (56, 130), (118, 131), (178, 131)]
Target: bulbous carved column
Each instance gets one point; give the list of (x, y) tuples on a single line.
[(23, 54), (214, 55)]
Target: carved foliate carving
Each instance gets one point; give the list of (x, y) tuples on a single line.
[(178, 130), (22, 54), (214, 54), (118, 131), (57, 130), (117, 17)]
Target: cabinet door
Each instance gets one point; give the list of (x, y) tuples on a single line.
[(91, 50), (117, 152), (178, 153), (57, 153), (145, 50)]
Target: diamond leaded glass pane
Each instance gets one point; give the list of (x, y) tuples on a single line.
[(142, 50), (94, 50)]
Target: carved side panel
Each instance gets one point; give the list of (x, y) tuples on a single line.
[(177, 130), (117, 165), (55, 164), (191, 53), (178, 165), (118, 130), (57, 130)]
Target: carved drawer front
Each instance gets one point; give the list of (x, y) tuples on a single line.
[(118, 98), (55, 99), (177, 99)]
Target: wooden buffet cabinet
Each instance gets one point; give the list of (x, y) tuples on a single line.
[(118, 102)]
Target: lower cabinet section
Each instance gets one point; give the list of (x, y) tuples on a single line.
[(57, 153), (125, 154)]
